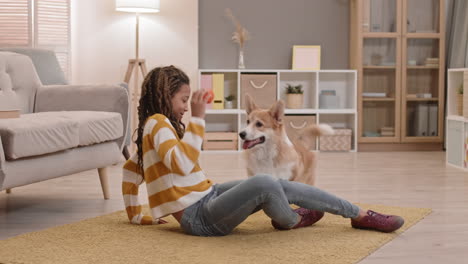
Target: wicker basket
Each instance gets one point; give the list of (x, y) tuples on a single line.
[(340, 141), (262, 88), (295, 123)]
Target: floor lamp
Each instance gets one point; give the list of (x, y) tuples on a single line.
[(137, 64)]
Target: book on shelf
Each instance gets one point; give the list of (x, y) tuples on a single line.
[(432, 62), (207, 84), (426, 120), (421, 120), (387, 131), (367, 94), (218, 89), (10, 113), (424, 95), (433, 117)]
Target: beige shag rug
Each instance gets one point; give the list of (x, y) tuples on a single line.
[(111, 239)]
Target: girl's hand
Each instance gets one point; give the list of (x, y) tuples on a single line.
[(198, 103), (159, 221)]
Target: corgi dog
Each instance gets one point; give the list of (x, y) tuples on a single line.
[(268, 150)]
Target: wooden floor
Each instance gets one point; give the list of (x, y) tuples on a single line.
[(412, 179)]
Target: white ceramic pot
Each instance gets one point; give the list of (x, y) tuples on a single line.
[(228, 104)]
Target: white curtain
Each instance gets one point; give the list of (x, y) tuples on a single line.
[(457, 34)]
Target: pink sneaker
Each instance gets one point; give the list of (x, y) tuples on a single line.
[(379, 222), (309, 217)]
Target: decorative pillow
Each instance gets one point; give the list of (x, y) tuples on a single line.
[(46, 64)]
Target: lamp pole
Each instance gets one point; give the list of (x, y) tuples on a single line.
[(136, 64), (136, 91)]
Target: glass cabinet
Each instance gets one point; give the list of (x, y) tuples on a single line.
[(396, 46)]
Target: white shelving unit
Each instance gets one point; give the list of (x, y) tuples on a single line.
[(457, 125), (343, 82)]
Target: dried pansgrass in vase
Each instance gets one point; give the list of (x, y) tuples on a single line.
[(240, 36)]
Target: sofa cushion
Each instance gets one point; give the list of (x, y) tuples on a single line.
[(48, 132), (95, 126), (36, 134)]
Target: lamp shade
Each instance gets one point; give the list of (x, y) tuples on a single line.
[(137, 6)]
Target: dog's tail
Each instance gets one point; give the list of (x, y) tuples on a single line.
[(307, 135)]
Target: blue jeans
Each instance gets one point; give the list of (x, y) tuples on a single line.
[(229, 204)]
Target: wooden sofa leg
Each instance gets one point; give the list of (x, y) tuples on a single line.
[(8, 190), (104, 182)]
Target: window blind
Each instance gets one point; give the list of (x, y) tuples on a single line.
[(15, 23), (37, 23)]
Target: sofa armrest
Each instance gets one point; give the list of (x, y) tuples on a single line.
[(108, 98)]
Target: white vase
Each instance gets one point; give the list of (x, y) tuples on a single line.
[(228, 104), (241, 59)]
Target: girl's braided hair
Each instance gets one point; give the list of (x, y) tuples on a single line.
[(157, 90)]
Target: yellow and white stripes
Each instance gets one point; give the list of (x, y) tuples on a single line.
[(173, 178)]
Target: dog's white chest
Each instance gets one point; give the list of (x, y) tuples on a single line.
[(263, 164)]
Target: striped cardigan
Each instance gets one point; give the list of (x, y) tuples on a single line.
[(174, 180)]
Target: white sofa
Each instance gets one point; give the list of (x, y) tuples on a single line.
[(63, 129)]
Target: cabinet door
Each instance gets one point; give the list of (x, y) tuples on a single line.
[(422, 16), (423, 72), (380, 93), (380, 16)]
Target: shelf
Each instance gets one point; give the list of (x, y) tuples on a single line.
[(342, 83), (376, 67), (222, 111), (299, 111), (380, 35), (456, 126), (320, 111), (433, 99), (421, 67), (378, 99), (457, 118), (422, 139), (423, 35)]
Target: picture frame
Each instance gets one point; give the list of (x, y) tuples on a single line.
[(306, 57)]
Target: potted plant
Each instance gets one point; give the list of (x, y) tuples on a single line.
[(229, 101), (294, 96), (460, 100)]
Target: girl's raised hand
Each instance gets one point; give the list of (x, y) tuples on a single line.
[(198, 103)]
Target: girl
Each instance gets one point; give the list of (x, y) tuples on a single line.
[(167, 160)]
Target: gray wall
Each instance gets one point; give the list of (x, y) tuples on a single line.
[(275, 26)]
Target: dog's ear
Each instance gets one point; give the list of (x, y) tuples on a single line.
[(249, 104), (277, 111)]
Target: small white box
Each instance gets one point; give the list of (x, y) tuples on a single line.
[(329, 101)]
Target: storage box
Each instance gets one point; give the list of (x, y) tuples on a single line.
[(262, 88), (295, 123), (340, 141), (220, 141)]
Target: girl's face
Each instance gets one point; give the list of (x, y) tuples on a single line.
[(180, 101)]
